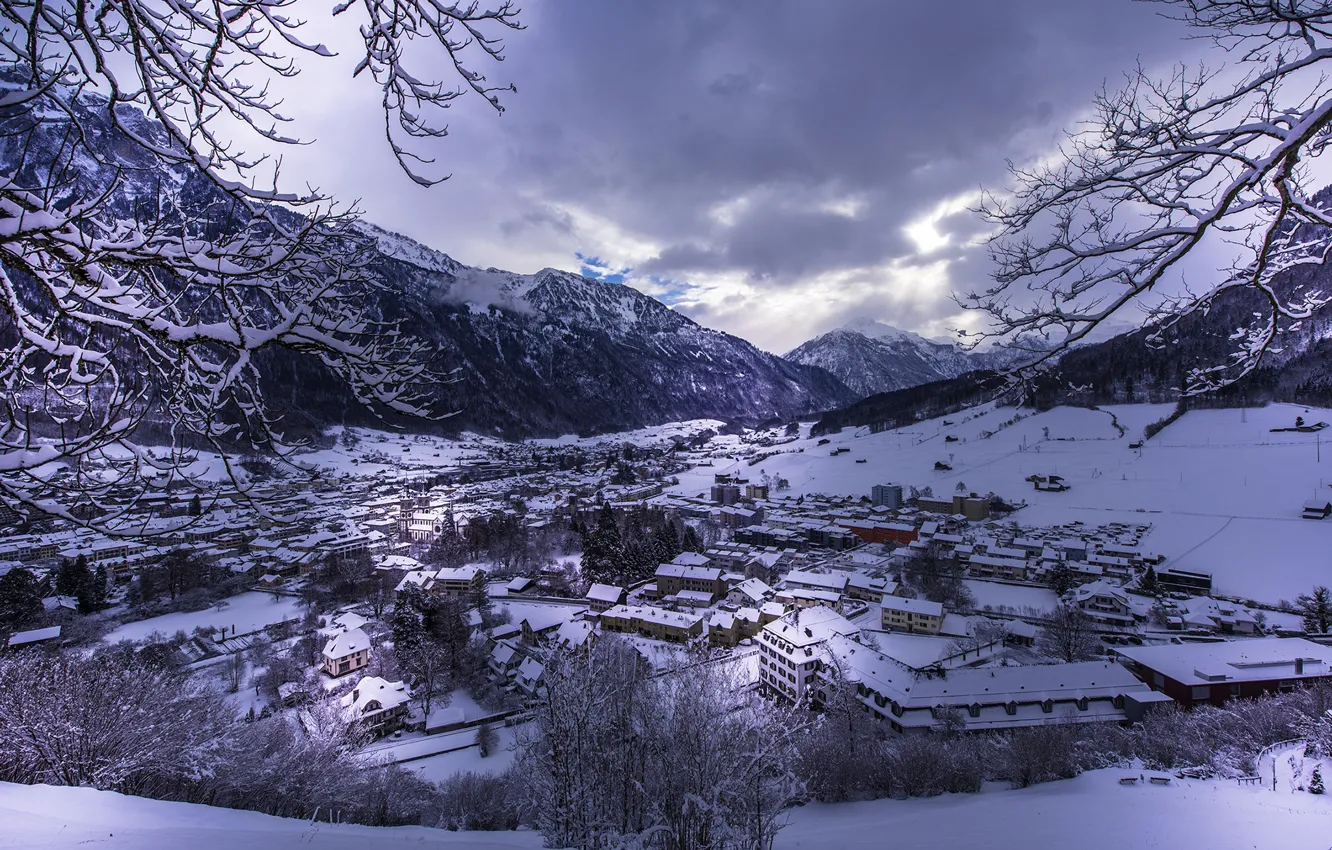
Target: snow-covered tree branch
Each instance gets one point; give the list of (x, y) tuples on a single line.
[(148, 261), (1207, 160)]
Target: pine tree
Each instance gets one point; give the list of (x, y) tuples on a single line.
[(1060, 578), (1316, 782), (196, 506), (603, 551), (691, 541), (1316, 609), (1148, 582), (20, 598)]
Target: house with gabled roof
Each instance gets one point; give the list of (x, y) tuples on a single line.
[(346, 652)]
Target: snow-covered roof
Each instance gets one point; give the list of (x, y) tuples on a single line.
[(1258, 660), (373, 695), (346, 643), (605, 593), (923, 607), (34, 636)]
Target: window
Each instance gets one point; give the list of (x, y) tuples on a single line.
[(974, 709), (1047, 706), (1011, 708), (1200, 692), (1234, 690)]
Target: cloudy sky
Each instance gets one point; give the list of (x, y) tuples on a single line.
[(771, 169)]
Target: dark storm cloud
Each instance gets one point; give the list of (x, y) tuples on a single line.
[(778, 144)]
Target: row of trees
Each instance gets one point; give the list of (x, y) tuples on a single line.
[(624, 550)]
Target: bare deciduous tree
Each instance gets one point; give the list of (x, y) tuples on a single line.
[(123, 306), (1068, 635), (1166, 167)]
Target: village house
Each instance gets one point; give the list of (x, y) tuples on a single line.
[(346, 652), (674, 578), (504, 659), (377, 704), (751, 592), (652, 622), (529, 677), (457, 581), (917, 616), (1214, 673), (1104, 603), (601, 597), (728, 628)]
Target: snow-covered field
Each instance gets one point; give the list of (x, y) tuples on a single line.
[(45, 817), (1222, 492), (1091, 812), (247, 612)]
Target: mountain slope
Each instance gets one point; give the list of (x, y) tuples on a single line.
[(554, 352), (542, 354)]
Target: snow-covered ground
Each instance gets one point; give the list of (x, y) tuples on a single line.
[(45, 817), (1091, 812), (1222, 492), (441, 767), (246, 612)]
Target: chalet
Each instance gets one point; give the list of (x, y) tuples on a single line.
[(917, 616), (1317, 509), (869, 589), (1213, 673), (574, 636), (541, 624), (504, 659), (601, 597), (1104, 603), (346, 652), (529, 677), (652, 622), (751, 591), (377, 704), (519, 585)]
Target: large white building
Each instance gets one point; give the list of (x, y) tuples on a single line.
[(790, 649)]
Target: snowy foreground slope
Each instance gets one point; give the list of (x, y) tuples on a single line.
[(1092, 812), (45, 816)]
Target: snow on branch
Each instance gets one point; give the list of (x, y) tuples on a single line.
[(1200, 161), (148, 261)]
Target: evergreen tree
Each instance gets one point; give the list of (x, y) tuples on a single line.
[(409, 632), (449, 548), (1060, 578), (20, 598), (101, 586), (1316, 781), (1148, 582), (196, 506), (691, 542), (603, 550), (1316, 609)]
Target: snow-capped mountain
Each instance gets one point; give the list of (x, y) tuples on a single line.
[(871, 357), (555, 352), (541, 354)]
